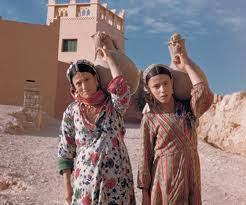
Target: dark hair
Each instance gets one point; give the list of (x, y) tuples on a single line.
[(157, 70), (80, 67)]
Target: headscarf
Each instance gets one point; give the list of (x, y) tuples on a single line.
[(98, 100), (89, 67), (151, 67), (98, 97)]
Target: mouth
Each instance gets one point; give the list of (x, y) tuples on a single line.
[(85, 91), (164, 96)]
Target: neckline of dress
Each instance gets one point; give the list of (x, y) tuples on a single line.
[(176, 109)]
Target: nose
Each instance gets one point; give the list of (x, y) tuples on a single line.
[(162, 89), (84, 86)]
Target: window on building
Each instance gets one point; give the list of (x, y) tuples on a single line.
[(88, 12), (69, 45), (83, 12), (82, 1)]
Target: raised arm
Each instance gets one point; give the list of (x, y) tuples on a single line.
[(118, 87), (201, 95), (120, 94), (113, 66), (183, 62)]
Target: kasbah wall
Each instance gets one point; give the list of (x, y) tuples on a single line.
[(29, 52), (35, 52)]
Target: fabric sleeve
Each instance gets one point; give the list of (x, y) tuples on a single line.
[(201, 99), (120, 94), (66, 146), (146, 155)]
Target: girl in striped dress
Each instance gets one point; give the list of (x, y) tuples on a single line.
[(169, 169)]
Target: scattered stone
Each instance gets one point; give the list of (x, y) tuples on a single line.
[(4, 185)]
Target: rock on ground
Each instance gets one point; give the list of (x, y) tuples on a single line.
[(224, 124)]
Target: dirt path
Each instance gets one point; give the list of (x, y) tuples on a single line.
[(28, 173)]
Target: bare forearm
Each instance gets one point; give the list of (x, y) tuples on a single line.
[(67, 186), (183, 62), (114, 68), (194, 72), (67, 177), (113, 65)]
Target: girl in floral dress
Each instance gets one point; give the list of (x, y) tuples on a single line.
[(91, 139), (169, 169)]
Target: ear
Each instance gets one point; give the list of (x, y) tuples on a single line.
[(73, 92)]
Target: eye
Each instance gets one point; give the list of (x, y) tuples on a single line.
[(156, 86), (87, 78), (78, 83)]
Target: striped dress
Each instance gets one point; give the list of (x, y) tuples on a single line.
[(169, 167)]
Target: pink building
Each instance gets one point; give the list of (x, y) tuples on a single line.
[(41, 53), (78, 22), (29, 53)]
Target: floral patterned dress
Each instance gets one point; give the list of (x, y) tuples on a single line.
[(169, 168), (99, 159)]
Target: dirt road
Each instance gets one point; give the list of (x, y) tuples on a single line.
[(28, 173)]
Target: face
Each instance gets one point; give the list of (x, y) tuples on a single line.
[(161, 87), (85, 84)]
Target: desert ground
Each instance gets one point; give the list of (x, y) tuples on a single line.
[(28, 168)]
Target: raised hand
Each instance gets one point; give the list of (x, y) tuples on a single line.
[(181, 60), (113, 65), (104, 53)]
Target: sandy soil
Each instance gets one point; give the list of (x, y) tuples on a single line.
[(28, 173)]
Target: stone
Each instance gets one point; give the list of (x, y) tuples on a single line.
[(4, 185), (224, 124)]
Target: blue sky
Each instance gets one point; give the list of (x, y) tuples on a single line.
[(215, 33)]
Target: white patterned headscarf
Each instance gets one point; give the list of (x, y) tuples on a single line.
[(75, 66), (150, 68)]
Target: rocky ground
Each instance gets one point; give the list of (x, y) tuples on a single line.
[(28, 174)]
